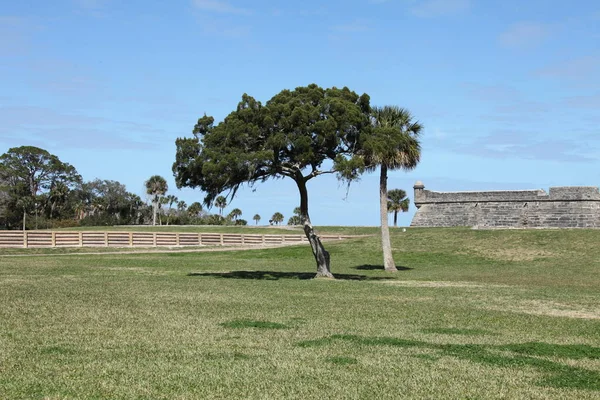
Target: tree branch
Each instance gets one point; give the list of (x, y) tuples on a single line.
[(317, 173)]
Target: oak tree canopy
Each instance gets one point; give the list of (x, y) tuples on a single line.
[(298, 134)]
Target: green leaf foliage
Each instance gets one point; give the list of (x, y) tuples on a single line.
[(292, 135)]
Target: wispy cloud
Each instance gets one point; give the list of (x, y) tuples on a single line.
[(15, 35), (225, 29), (51, 128), (351, 27), (91, 4), (219, 6), (526, 145), (582, 68), (493, 92), (506, 101), (525, 35), (438, 8), (591, 102)]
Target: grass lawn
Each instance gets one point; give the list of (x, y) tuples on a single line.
[(504, 314)]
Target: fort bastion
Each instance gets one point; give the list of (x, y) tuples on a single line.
[(562, 207)]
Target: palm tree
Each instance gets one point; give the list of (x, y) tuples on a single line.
[(181, 205), (277, 218), (397, 201), (221, 203), (256, 218), (170, 200), (194, 209), (393, 144), (163, 201), (234, 214), (26, 203), (296, 219), (58, 195), (156, 186)]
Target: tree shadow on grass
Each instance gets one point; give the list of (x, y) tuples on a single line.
[(275, 275), (369, 267), (555, 372)]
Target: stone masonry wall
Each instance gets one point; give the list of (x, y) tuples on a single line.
[(562, 207)]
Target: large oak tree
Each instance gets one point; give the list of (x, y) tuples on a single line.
[(30, 177), (298, 134)]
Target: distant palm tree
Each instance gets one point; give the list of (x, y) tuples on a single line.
[(26, 203), (221, 203), (393, 144), (181, 205), (234, 214), (156, 186), (194, 209), (256, 218), (170, 200), (397, 202), (296, 219), (163, 201), (58, 194), (277, 218)]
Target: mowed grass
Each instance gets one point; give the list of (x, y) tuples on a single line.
[(471, 314)]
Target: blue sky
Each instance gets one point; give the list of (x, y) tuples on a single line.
[(508, 91)]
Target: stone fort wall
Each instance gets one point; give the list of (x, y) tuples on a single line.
[(562, 207)]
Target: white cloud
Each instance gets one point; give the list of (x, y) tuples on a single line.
[(219, 6), (352, 27), (582, 68), (525, 35), (50, 128), (438, 8), (15, 35), (91, 4)]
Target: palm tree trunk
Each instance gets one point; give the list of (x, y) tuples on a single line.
[(396, 218), (388, 260), (154, 207)]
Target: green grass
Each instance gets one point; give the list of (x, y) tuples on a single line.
[(471, 314)]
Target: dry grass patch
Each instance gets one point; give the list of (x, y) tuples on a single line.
[(440, 284), (546, 308)]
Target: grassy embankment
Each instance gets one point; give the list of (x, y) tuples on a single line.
[(473, 314)]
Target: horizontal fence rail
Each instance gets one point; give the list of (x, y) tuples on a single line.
[(41, 239)]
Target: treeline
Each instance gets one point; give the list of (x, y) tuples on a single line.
[(39, 191)]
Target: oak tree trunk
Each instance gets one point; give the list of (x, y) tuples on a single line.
[(321, 255), (388, 260)]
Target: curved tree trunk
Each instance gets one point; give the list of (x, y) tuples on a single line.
[(388, 260), (396, 218), (321, 255)]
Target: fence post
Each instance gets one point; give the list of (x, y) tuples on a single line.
[(25, 244), (154, 239), (130, 239), (177, 238), (243, 241), (263, 239), (80, 239), (53, 239), (105, 239), (199, 239), (221, 238)]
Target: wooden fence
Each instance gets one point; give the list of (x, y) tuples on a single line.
[(40, 239)]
